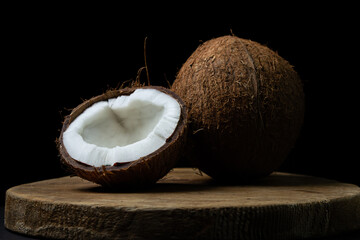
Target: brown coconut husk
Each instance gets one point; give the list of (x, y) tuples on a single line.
[(246, 107), (140, 173)]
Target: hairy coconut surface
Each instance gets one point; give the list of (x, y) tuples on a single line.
[(137, 173), (246, 107)]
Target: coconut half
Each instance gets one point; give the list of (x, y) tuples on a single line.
[(124, 137)]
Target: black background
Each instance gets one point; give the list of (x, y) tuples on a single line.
[(56, 56)]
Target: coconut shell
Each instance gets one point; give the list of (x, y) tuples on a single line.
[(140, 173), (246, 107)]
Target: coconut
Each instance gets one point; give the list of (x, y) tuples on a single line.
[(246, 107), (124, 138)]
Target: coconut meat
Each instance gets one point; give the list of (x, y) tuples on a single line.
[(122, 129)]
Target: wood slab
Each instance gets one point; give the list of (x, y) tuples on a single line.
[(185, 205)]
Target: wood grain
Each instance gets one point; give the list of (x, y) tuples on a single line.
[(185, 205)]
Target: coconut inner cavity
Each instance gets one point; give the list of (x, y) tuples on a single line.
[(122, 129)]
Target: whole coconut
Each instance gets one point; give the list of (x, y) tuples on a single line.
[(246, 107)]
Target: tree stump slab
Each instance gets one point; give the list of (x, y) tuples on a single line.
[(185, 205)]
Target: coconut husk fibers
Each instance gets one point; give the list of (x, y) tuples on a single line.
[(246, 107), (140, 173)]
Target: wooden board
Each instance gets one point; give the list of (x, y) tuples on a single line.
[(185, 205)]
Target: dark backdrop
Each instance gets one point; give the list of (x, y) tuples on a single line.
[(54, 57)]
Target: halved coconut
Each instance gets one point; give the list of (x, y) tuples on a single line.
[(127, 137)]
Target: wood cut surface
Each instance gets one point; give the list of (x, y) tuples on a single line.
[(185, 205)]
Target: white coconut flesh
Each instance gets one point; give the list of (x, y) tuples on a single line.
[(122, 129)]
